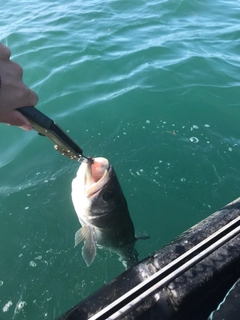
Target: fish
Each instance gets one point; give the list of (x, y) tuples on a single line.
[(103, 213)]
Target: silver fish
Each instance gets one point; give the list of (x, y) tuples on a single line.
[(102, 210)]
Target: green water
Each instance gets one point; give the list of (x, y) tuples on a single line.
[(151, 85)]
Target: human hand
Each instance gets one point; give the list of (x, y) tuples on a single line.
[(13, 92)]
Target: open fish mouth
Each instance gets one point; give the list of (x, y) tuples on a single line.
[(95, 175)]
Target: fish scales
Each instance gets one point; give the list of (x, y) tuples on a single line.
[(103, 212)]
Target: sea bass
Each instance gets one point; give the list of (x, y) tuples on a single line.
[(102, 210)]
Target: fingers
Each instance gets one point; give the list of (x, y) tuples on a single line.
[(31, 98), (15, 118), (15, 69), (16, 96), (5, 53), (13, 92), (26, 97)]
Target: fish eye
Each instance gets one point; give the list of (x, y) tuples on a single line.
[(108, 195)]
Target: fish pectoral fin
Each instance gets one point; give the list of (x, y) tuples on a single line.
[(80, 235), (90, 246)]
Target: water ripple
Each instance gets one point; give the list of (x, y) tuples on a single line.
[(154, 87)]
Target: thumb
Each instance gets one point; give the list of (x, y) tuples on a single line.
[(15, 118)]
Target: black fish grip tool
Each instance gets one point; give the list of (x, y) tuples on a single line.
[(47, 127)]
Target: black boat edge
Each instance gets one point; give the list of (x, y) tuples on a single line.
[(199, 267)]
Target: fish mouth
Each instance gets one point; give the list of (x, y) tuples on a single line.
[(96, 175)]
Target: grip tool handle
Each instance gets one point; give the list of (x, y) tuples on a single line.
[(47, 127)]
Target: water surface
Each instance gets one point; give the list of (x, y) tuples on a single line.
[(154, 87)]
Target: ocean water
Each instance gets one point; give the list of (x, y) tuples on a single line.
[(154, 86)]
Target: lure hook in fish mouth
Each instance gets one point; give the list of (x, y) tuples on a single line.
[(87, 159)]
